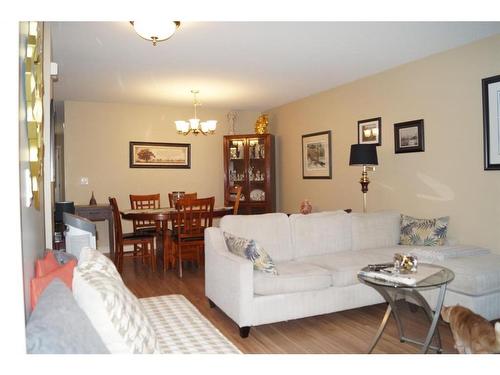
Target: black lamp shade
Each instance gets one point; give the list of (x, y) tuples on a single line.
[(362, 154), (61, 208)]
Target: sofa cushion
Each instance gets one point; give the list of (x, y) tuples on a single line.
[(38, 284), (423, 232), (474, 275), (251, 250), (114, 311), (59, 326), (344, 266), (271, 231), (293, 276), (374, 230), (94, 260), (46, 265), (320, 233)]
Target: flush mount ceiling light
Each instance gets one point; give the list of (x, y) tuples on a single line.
[(194, 125), (155, 31)]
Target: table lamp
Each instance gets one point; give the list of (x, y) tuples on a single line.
[(364, 154)]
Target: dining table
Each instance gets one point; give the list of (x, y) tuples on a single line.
[(164, 215)]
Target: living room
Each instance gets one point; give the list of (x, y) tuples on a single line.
[(442, 88)]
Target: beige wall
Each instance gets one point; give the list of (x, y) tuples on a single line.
[(447, 179), (97, 137)]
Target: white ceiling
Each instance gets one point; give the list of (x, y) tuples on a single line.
[(240, 65)]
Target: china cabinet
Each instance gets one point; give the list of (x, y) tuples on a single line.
[(249, 163)]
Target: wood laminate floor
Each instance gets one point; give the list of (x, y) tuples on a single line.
[(345, 332)]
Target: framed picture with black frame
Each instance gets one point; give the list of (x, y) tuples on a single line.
[(491, 122), (409, 136), (370, 131), (159, 155), (317, 155)]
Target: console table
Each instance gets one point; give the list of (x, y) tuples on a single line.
[(99, 212)]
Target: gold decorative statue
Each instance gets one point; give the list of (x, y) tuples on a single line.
[(261, 124)]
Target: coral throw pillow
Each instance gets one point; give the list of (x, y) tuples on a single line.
[(38, 284), (46, 265)]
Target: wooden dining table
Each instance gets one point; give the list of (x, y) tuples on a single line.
[(163, 216)]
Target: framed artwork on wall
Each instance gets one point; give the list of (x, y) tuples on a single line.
[(409, 136), (370, 131), (317, 155), (491, 122), (160, 155)]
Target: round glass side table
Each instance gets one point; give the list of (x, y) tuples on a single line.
[(392, 291)]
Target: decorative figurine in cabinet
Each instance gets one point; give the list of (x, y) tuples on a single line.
[(249, 163)]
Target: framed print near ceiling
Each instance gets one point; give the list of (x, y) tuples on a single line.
[(317, 155), (160, 155), (409, 136), (370, 131), (491, 122)]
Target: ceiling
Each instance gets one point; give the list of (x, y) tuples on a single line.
[(240, 65)]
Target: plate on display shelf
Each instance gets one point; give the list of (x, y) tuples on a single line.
[(257, 195)]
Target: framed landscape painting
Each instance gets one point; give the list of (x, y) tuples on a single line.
[(160, 155), (317, 155), (409, 136)]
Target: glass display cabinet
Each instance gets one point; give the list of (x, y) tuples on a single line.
[(249, 163)]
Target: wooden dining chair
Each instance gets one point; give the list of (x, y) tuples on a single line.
[(186, 195), (193, 216), (143, 242), (143, 202), (234, 196)]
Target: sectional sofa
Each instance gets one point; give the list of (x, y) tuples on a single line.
[(318, 256)]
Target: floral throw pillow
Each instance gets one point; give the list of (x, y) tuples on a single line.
[(423, 232), (252, 251)]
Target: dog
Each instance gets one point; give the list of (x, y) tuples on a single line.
[(472, 333)]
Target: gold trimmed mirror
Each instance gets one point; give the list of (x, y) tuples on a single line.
[(33, 82)]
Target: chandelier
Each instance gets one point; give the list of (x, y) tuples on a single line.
[(155, 31), (194, 125)]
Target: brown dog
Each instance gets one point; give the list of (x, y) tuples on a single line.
[(472, 333)]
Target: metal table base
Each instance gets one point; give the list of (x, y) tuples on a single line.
[(432, 316)]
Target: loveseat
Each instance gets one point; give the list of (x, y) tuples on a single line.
[(317, 257)]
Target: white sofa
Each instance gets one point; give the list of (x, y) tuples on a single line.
[(318, 257)]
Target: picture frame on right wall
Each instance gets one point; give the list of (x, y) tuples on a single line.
[(409, 136), (491, 122)]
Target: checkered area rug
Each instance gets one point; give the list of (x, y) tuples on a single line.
[(181, 329)]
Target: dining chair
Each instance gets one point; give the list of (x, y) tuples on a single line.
[(143, 242), (193, 216), (234, 196), (185, 195), (142, 202)]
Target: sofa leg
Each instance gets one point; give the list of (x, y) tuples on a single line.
[(244, 332), (211, 303)]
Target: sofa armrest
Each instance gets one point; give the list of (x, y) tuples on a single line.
[(228, 278)]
